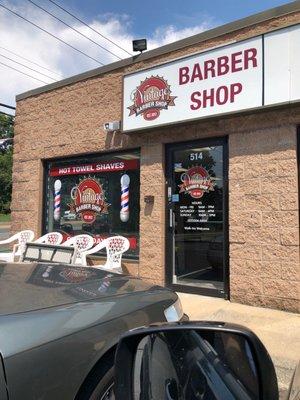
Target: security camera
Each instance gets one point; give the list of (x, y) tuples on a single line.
[(112, 126)]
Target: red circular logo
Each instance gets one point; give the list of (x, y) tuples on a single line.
[(89, 200), (196, 181), (151, 96)]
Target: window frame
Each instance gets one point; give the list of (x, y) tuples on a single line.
[(83, 158)]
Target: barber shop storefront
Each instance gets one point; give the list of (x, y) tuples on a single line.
[(92, 195), (189, 151)]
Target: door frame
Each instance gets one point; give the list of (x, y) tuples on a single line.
[(169, 236)]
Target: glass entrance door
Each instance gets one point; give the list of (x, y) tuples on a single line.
[(196, 217)]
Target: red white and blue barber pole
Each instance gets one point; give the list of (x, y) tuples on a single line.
[(124, 213), (57, 199)]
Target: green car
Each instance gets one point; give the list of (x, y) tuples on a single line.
[(60, 325)]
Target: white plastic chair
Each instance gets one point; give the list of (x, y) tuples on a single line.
[(81, 243), (115, 247), (50, 238), (18, 249)]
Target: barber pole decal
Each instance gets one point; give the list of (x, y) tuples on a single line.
[(105, 284), (57, 199), (124, 213)]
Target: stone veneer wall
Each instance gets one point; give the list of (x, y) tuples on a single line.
[(263, 198)]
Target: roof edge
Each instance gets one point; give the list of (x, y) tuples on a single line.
[(198, 38)]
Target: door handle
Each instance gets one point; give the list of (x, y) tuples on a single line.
[(169, 193), (171, 392), (170, 218)]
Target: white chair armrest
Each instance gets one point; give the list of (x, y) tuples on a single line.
[(95, 249), (6, 241)]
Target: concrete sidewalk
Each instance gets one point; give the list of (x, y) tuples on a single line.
[(278, 330)]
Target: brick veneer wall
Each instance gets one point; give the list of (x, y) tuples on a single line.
[(263, 188)]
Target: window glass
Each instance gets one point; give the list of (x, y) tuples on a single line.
[(97, 195)]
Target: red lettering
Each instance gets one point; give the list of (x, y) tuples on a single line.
[(223, 67), (235, 89), (195, 97), (235, 60), (219, 96), (208, 97), (209, 66), (250, 55), (197, 73), (184, 75), (222, 95)]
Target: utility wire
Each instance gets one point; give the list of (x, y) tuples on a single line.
[(49, 33), (24, 73), (23, 65), (30, 61), (94, 30), (7, 106), (74, 29)]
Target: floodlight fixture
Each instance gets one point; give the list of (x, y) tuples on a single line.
[(139, 45)]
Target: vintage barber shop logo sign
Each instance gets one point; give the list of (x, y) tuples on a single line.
[(196, 181), (217, 81), (235, 77), (150, 97), (89, 200)]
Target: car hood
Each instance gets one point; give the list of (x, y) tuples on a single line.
[(34, 286)]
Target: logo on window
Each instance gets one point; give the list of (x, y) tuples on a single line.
[(196, 181), (89, 200), (150, 97)]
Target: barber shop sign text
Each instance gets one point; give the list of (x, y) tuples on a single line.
[(227, 64), (238, 76)]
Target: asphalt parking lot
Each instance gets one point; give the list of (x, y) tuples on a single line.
[(4, 231), (4, 234)]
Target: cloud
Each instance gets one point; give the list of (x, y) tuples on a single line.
[(170, 34), (22, 38)]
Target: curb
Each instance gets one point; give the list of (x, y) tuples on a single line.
[(4, 225)]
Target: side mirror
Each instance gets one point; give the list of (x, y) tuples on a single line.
[(194, 361)]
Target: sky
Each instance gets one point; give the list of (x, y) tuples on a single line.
[(159, 21)]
